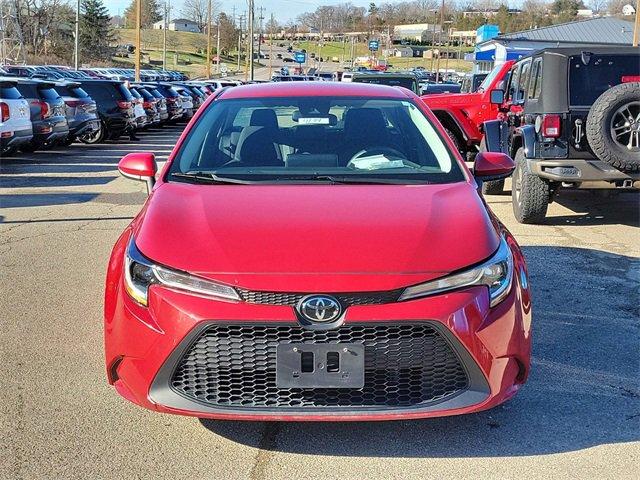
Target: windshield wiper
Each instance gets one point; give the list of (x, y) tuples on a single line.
[(349, 179), (210, 178)]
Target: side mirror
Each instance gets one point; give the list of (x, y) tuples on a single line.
[(492, 166), (496, 97), (139, 166)]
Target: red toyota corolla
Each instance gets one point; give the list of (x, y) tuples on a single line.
[(316, 251)]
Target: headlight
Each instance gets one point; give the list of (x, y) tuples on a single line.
[(140, 273), (496, 273)]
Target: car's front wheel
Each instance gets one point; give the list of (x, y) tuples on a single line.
[(530, 194)]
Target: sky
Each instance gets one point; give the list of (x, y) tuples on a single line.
[(283, 10)]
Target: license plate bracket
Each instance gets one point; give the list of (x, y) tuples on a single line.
[(305, 365)]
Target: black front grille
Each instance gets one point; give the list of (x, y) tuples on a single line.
[(406, 365), (346, 299)]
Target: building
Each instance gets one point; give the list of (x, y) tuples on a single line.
[(418, 32), (584, 12), (628, 10), (179, 25), (488, 13), (487, 32), (462, 37), (512, 46)]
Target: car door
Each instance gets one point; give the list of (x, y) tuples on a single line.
[(514, 104)]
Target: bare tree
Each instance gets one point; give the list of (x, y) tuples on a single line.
[(197, 11)]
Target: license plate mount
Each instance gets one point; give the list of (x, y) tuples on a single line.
[(304, 365)]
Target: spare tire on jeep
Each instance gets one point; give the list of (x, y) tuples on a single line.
[(613, 127)]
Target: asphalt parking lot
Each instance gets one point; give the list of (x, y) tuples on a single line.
[(62, 210)]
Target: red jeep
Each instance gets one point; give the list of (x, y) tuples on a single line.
[(462, 114)]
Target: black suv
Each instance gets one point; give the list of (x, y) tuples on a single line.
[(48, 114), (115, 109), (572, 120)]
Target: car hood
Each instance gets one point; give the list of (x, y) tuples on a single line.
[(449, 99), (316, 237)]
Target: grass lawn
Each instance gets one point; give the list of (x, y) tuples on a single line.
[(185, 47)]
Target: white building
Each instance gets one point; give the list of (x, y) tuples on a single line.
[(421, 32), (179, 25), (628, 10)]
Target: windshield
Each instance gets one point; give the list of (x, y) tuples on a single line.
[(588, 82), (408, 83), (486, 83), (308, 139)]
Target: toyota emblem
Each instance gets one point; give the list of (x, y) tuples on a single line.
[(319, 308)]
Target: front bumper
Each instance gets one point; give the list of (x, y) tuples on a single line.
[(582, 173), (144, 347)]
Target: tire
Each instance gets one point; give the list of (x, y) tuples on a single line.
[(94, 137), (491, 187), (530, 194), (9, 151), (29, 147), (67, 141), (613, 127), (456, 141)]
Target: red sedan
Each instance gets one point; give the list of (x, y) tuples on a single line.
[(316, 251)]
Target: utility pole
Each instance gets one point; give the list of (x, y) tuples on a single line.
[(138, 35), (167, 9), (440, 41), (251, 44), (77, 39), (209, 40)]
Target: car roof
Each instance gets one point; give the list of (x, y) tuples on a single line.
[(303, 89), (571, 51), (384, 75)]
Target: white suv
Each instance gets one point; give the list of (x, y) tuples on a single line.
[(15, 117)]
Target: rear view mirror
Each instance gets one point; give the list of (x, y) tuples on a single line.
[(492, 166), (139, 166), (496, 97)]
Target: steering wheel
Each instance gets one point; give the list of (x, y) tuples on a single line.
[(378, 150)]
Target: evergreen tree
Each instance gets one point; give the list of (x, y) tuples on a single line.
[(151, 13), (95, 31)]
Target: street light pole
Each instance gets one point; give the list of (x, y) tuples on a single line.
[(440, 41), (77, 42), (138, 39), (218, 46), (636, 28)]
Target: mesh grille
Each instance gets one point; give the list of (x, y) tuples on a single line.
[(235, 366), (345, 299)]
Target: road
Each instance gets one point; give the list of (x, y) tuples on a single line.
[(60, 213)]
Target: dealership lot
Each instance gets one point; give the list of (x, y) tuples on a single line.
[(62, 210)]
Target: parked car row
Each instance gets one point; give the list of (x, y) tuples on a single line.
[(56, 72), (39, 114)]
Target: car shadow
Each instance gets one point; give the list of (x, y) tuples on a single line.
[(582, 391), (589, 208), (43, 181)]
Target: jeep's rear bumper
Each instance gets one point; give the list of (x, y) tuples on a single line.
[(583, 173)]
